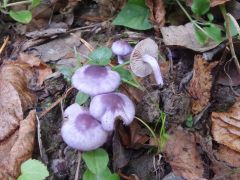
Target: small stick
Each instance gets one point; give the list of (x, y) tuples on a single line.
[(56, 102), (78, 166), (4, 44)]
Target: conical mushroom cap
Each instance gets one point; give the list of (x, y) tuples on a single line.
[(138, 66)]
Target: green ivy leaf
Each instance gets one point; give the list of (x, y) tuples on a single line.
[(33, 169), (135, 15), (214, 32), (96, 160), (35, 3), (100, 56), (67, 72), (200, 7), (200, 36), (81, 98), (105, 175), (23, 16)]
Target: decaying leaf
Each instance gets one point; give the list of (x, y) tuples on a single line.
[(19, 75), (42, 69), (184, 36), (158, 12), (201, 83), (226, 127), (18, 147), (181, 153)]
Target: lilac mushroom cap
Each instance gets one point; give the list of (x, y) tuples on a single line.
[(81, 130), (93, 80), (107, 107), (143, 60), (121, 48)]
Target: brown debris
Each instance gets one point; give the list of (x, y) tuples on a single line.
[(226, 127), (217, 2), (182, 154), (157, 11), (201, 83)]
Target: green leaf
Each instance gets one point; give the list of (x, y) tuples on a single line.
[(23, 16), (96, 160), (200, 7), (81, 98), (232, 25), (210, 17), (35, 3), (104, 175), (100, 56), (5, 2), (200, 36), (33, 169), (214, 32), (135, 16), (67, 72), (189, 121), (137, 2)]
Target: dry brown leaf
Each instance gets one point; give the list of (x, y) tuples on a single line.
[(184, 36), (18, 148), (228, 155), (201, 83), (181, 153), (43, 70), (157, 11), (226, 127), (19, 74), (10, 109)]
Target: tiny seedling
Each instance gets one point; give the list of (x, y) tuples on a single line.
[(22, 16), (189, 122), (33, 169)]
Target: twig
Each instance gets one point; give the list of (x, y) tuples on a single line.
[(19, 3), (224, 13), (4, 44), (56, 102), (78, 166)]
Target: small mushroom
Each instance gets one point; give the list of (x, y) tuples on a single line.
[(143, 60), (93, 80), (107, 107), (121, 49), (81, 130)]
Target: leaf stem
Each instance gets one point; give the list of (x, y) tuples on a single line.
[(229, 36), (19, 3)]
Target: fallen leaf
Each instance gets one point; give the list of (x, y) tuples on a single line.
[(18, 148), (184, 36), (20, 75), (42, 69), (157, 17), (201, 83), (226, 127), (181, 153)]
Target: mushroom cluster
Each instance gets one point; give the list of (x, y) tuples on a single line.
[(87, 129)]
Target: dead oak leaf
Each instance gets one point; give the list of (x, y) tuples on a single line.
[(18, 148), (226, 127), (42, 69), (157, 13), (201, 83), (181, 153)]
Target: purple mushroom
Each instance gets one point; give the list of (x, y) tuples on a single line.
[(143, 60), (81, 130), (107, 107), (121, 49), (93, 80)]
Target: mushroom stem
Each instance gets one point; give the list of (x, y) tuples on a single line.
[(155, 67), (120, 60)]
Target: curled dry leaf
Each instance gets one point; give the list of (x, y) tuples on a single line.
[(42, 69), (226, 127), (201, 83), (181, 152), (157, 10), (17, 148), (184, 36)]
